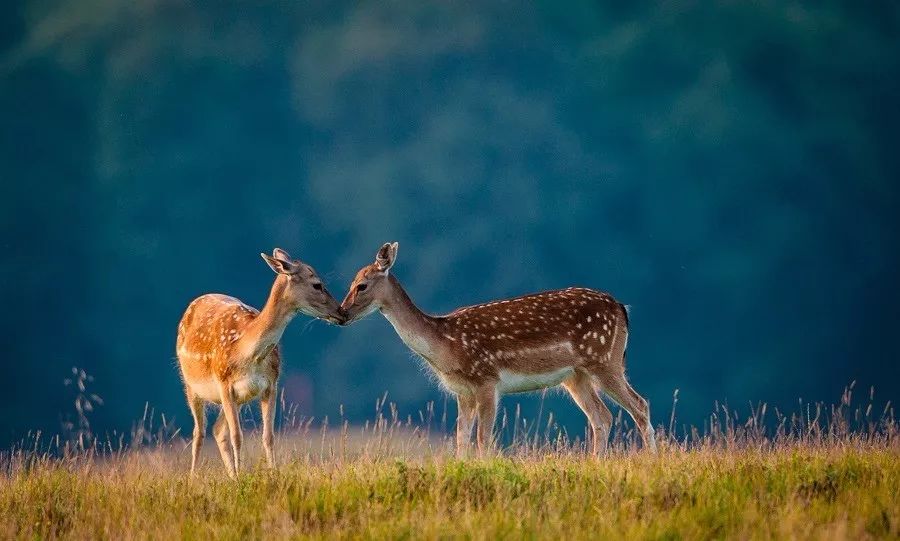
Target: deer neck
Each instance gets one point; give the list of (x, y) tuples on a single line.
[(265, 331), (417, 329)]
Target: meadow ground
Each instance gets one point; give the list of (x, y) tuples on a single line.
[(825, 474)]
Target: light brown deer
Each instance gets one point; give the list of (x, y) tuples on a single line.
[(571, 337), (229, 353)]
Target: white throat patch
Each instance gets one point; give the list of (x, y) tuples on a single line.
[(413, 340)]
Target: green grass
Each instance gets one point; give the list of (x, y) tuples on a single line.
[(823, 474), (801, 492)]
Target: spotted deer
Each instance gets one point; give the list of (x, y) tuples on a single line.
[(572, 337), (228, 353)]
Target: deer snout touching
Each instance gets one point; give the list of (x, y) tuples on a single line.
[(323, 306), (332, 313)]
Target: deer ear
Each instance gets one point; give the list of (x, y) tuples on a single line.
[(279, 265), (278, 253), (386, 256)]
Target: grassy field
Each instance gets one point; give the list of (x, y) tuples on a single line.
[(819, 479)]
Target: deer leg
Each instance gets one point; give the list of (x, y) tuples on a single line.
[(465, 418), (232, 416), (220, 433), (486, 408), (581, 388), (618, 388), (267, 407), (197, 410)]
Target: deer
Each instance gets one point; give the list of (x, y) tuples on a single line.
[(574, 337), (229, 354)]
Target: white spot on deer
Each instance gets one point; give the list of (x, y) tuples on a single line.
[(589, 319), (602, 339)]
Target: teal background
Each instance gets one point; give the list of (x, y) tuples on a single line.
[(728, 169)]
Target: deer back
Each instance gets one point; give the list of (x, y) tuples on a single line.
[(535, 333), (208, 332)]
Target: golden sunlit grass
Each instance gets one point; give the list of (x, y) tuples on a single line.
[(832, 476)]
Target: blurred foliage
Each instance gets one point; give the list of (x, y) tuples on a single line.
[(728, 169)]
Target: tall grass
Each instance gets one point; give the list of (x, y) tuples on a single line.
[(821, 472)]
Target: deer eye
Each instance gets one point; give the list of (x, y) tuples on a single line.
[(317, 286), (361, 287)]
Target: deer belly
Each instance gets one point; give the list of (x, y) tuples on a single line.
[(249, 387), (206, 389), (517, 382)]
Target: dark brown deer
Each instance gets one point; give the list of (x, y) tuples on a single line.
[(229, 354), (572, 337)]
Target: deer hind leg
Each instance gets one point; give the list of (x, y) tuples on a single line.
[(581, 388), (232, 416), (220, 433), (486, 408), (465, 419), (267, 407), (197, 410), (617, 387)]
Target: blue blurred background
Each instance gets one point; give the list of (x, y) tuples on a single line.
[(729, 169)]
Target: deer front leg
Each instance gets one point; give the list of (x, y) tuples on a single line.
[(231, 412), (465, 418), (267, 407), (486, 406)]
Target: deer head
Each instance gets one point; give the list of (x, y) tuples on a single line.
[(301, 289), (371, 287)]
